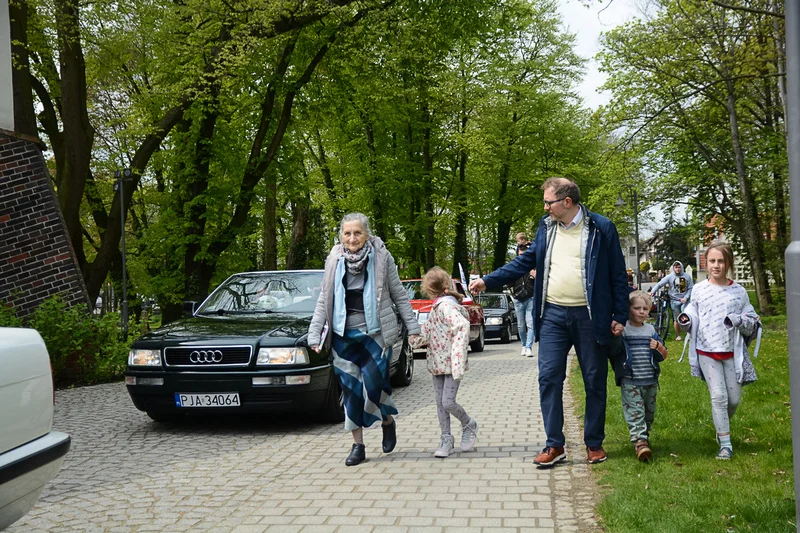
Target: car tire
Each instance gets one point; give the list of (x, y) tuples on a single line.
[(405, 366), (333, 411), (478, 344), (165, 417), (505, 336)]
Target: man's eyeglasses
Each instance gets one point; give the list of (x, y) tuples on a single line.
[(549, 203)]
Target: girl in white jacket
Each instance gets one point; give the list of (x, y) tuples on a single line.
[(447, 334), (721, 320)]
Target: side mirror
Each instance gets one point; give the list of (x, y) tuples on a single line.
[(189, 308)]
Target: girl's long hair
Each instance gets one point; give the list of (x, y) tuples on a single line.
[(436, 282)]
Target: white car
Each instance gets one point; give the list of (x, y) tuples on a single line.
[(30, 453)]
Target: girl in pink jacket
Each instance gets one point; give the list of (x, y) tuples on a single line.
[(447, 334)]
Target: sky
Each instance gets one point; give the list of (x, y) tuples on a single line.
[(587, 23)]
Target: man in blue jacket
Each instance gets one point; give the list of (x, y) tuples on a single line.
[(580, 299)]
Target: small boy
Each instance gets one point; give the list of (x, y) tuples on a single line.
[(636, 370)]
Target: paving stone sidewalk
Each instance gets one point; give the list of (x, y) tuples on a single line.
[(126, 474)]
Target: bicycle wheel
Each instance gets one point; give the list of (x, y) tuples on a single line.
[(663, 324)]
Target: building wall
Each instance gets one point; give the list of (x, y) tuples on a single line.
[(36, 257)]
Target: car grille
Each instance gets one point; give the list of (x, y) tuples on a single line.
[(208, 356)]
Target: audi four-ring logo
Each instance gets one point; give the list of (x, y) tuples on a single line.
[(205, 356)]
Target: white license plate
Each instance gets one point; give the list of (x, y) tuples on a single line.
[(227, 399)]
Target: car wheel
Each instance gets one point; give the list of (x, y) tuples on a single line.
[(405, 367), (333, 411), (478, 344), (165, 416), (505, 336)]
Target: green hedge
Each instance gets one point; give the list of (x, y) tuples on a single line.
[(84, 349)]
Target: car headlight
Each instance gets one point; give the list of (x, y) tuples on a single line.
[(422, 317), (282, 356), (137, 357), (494, 321)]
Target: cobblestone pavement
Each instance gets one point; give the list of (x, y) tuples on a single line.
[(125, 473)]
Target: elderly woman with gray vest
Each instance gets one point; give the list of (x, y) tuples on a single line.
[(354, 317)]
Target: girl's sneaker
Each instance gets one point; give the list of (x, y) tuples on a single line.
[(446, 447), (469, 435), (724, 453)]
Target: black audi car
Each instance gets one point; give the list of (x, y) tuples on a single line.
[(501, 317), (245, 350)]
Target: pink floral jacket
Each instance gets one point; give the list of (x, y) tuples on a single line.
[(447, 334)]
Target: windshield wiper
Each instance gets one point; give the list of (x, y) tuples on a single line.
[(221, 312)]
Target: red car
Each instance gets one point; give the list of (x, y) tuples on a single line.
[(422, 307)]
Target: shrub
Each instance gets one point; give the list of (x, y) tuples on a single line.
[(83, 349)]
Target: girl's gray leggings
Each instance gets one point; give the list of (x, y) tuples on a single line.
[(726, 392), (445, 388)]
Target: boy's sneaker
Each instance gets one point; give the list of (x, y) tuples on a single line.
[(643, 452), (724, 453), (446, 447), (469, 435), (595, 455), (529, 352), (678, 338), (524, 351), (550, 456)]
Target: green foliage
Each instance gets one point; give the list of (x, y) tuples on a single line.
[(685, 488), (685, 78), (83, 349), (8, 316)]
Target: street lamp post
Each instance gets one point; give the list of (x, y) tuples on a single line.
[(121, 176), (621, 202)]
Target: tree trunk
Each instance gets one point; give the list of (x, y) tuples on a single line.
[(197, 271), (772, 122), (460, 256), (24, 116), (427, 191), (78, 132), (504, 222), (378, 219), (298, 247), (271, 222), (753, 237)]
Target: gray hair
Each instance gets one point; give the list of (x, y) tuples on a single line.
[(356, 217)]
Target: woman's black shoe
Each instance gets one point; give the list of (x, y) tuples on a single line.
[(357, 455), (389, 436)]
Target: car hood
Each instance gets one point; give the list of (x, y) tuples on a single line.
[(279, 327)]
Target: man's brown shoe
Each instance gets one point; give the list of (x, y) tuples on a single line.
[(643, 452), (550, 456), (596, 455)]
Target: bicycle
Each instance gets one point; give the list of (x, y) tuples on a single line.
[(662, 310)]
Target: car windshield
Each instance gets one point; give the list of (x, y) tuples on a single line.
[(265, 292), (493, 301), (414, 290)]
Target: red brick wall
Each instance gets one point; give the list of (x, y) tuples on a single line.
[(36, 256)]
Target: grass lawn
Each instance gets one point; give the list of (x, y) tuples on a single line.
[(685, 489)]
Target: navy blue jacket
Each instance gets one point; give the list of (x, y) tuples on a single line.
[(604, 274)]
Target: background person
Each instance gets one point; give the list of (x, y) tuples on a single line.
[(522, 240), (721, 321), (522, 291), (580, 299), (359, 286), (679, 290)]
